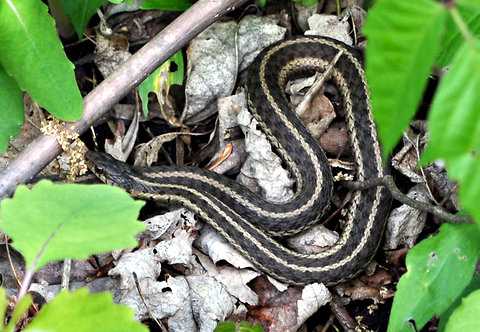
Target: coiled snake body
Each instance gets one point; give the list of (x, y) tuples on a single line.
[(249, 222)]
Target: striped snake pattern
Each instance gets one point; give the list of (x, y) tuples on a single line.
[(245, 219)]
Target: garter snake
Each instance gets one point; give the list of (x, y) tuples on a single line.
[(249, 222)]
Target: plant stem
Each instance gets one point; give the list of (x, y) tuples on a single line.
[(27, 280), (462, 26), (388, 182)]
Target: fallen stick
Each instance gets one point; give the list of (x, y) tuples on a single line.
[(45, 148)]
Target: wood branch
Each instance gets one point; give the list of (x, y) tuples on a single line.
[(388, 182), (176, 35)]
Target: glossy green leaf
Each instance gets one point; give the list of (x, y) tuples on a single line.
[(11, 109), (161, 79), (57, 221), (167, 5), (473, 286), (80, 12), (439, 269), (466, 170), (31, 52), (306, 3), (80, 311), (403, 40), (466, 318), (454, 118), (453, 39), (3, 307), (262, 3), (229, 326)]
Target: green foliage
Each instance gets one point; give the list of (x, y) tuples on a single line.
[(454, 120), (453, 38), (439, 269), (465, 318), (237, 327), (32, 54), (454, 125), (403, 41), (262, 3), (306, 3), (80, 12), (161, 79), (80, 311), (167, 5), (466, 169), (57, 221), (11, 109), (474, 285)]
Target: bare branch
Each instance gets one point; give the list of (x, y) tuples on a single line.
[(388, 182), (45, 148)]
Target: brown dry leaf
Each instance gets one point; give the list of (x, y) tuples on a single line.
[(123, 142), (330, 26), (147, 153), (110, 52), (335, 140), (406, 160), (318, 115), (288, 310), (368, 287), (405, 222)]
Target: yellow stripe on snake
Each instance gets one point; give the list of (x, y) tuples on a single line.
[(245, 219)]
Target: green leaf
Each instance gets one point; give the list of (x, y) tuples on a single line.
[(262, 3), (474, 285), (161, 79), (167, 5), (57, 221), (3, 307), (32, 54), (306, 3), (80, 12), (439, 268), (454, 118), (11, 109), (465, 318), (466, 170), (403, 41), (453, 39), (237, 327), (80, 311), (20, 309)]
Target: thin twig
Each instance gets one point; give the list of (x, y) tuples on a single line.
[(45, 148), (137, 285), (416, 147), (318, 84), (10, 261), (388, 182), (342, 315)]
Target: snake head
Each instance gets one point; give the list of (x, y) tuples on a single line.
[(109, 169)]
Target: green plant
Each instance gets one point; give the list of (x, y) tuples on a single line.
[(50, 222), (405, 40), (237, 327), (32, 60)]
